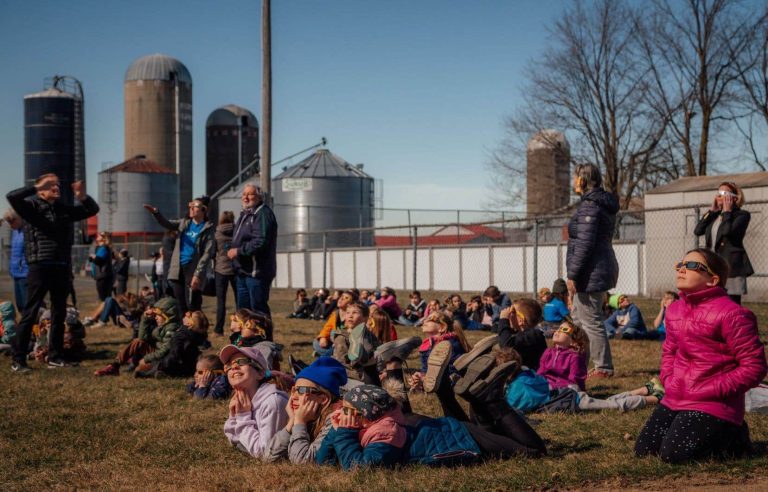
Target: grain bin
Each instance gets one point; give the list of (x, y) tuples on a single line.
[(158, 118), (547, 172)]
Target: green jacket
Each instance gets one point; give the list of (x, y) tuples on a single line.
[(8, 320), (160, 336)]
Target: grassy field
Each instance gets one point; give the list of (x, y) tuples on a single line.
[(68, 429)]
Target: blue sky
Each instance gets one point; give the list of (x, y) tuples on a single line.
[(416, 90)]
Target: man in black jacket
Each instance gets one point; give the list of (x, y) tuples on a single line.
[(49, 232), (254, 251)]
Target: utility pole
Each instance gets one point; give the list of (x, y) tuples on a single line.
[(266, 99)]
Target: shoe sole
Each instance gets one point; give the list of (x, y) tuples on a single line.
[(478, 369), (498, 372), (390, 349), (481, 348), (436, 364)]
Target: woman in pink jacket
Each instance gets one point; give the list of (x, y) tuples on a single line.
[(711, 357)]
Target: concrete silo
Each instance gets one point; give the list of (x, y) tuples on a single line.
[(321, 193), (231, 143), (124, 188), (548, 178), (158, 117), (54, 133)]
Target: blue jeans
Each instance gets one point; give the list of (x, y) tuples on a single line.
[(253, 294), (111, 311), (320, 351), (20, 293)]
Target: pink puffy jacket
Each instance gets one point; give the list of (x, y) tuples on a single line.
[(712, 355)]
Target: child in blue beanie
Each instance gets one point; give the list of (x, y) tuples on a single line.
[(314, 397)]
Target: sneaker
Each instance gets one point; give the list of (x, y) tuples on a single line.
[(20, 368), (123, 321), (599, 374), (491, 388), (99, 324), (481, 347), (396, 349), (59, 363), (479, 368), (88, 321), (655, 388), (437, 363), (296, 365), (109, 370)]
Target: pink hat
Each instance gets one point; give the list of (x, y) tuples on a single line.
[(250, 352)]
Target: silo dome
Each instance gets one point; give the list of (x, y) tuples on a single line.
[(158, 67), (228, 116), (547, 139)]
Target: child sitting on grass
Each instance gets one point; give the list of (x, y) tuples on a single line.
[(382, 327), (437, 328), (185, 346), (312, 400), (354, 345), (249, 328), (414, 311), (156, 329), (564, 364), (7, 325), (661, 333), (322, 343), (517, 328), (627, 321), (210, 381), (257, 408), (554, 311)]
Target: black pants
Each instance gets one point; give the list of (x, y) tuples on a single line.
[(104, 287), (682, 436), (44, 279), (187, 299), (508, 435), (121, 287), (222, 282)]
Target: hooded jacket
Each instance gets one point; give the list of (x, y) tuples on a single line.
[(160, 337), (48, 228), (564, 367), (223, 239), (712, 355), (205, 248), (183, 352), (251, 432), (255, 238), (590, 259)]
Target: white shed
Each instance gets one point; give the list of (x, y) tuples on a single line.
[(669, 233)]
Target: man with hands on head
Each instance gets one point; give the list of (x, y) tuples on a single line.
[(48, 247)]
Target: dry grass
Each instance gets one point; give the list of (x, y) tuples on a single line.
[(68, 429)]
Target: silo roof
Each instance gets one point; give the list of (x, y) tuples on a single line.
[(157, 67), (323, 164), (547, 139), (228, 116), (52, 92), (139, 165)]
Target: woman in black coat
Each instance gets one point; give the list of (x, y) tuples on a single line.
[(724, 227)]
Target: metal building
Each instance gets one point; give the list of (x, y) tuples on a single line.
[(231, 143), (547, 173), (158, 117), (124, 188), (54, 133), (321, 193)]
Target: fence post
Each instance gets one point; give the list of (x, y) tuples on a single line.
[(503, 229), (415, 244), (458, 222), (138, 272), (325, 258), (535, 257), (640, 273), (697, 215)]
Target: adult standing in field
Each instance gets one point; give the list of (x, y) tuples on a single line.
[(192, 253), (724, 227), (711, 357), (101, 266), (591, 262), (254, 251), (49, 232), (225, 272), (18, 267)]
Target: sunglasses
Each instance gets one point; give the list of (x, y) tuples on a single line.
[(568, 330), (215, 372), (195, 205), (306, 390), (241, 362), (695, 266), (349, 411), (726, 193)]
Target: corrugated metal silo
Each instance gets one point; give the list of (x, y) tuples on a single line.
[(49, 137), (158, 117), (548, 172), (124, 188), (321, 193), (231, 143)]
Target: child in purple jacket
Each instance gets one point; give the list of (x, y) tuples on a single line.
[(564, 364)]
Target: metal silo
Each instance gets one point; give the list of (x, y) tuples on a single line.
[(548, 180), (124, 188), (231, 143), (321, 193), (158, 117), (49, 137)]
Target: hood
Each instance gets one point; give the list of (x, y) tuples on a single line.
[(225, 229), (170, 308), (7, 311), (605, 200)]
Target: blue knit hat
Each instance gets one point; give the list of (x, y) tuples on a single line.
[(326, 372)]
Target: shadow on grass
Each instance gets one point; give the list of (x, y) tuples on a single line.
[(99, 355), (301, 344), (558, 450)]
